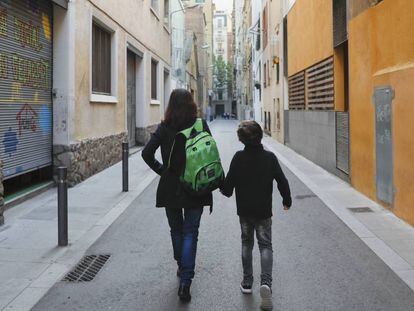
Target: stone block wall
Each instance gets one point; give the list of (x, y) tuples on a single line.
[(88, 157), (1, 194)]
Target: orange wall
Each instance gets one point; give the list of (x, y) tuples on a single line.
[(381, 52), (310, 31)]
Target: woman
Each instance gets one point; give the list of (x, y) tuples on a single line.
[(183, 210)]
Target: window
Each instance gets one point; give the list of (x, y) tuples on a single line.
[(154, 5), (277, 72), (265, 75), (154, 79), (268, 73), (101, 60), (220, 23), (265, 27), (167, 12)]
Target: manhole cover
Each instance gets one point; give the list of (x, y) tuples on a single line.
[(360, 209), (87, 268), (305, 196)]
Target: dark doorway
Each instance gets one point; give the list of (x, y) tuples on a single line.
[(131, 97), (219, 110)]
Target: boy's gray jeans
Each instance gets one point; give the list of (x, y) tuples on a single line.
[(263, 228)]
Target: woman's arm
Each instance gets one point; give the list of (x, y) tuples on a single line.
[(178, 157), (148, 154), (230, 181)]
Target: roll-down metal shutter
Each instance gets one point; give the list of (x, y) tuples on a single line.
[(25, 85), (342, 141)]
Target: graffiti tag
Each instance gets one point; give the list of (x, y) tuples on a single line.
[(3, 22), (27, 34), (27, 119), (10, 142), (32, 73)]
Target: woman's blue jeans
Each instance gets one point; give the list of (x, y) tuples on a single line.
[(184, 224)]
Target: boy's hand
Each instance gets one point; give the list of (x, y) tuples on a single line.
[(286, 208)]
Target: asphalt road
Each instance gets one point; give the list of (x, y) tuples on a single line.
[(319, 263)]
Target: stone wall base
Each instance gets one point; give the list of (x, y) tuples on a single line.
[(88, 157), (1, 194), (143, 134)]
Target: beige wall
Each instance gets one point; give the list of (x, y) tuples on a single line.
[(381, 53), (272, 94), (133, 23)]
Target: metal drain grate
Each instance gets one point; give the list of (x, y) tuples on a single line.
[(305, 196), (360, 209), (87, 268)]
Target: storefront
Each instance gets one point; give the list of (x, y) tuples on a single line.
[(25, 87)]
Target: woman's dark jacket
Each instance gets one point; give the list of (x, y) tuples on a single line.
[(170, 192)]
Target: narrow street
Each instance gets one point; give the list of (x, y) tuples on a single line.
[(320, 264)]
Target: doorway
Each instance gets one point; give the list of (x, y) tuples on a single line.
[(131, 98), (219, 110)]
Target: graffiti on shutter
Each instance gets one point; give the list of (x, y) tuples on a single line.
[(25, 86)]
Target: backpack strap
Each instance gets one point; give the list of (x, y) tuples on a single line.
[(198, 126)]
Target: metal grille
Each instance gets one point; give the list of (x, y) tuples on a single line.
[(342, 141), (25, 86), (320, 85), (340, 23), (359, 210), (87, 269), (297, 91)]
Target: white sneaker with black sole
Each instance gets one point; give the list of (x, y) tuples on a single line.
[(245, 288), (266, 295)]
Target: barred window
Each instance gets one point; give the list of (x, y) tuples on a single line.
[(101, 60)]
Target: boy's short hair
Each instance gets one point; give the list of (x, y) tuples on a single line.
[(250, 133)]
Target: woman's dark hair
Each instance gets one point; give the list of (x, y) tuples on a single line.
[(181, 112), (250, 133)]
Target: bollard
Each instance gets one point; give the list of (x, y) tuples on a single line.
[(62, 173), (125, 167)]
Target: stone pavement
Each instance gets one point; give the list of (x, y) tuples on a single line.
[(324, 254), (30, 260)]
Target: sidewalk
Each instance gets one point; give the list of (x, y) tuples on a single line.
[(30, 260), (384, 233)]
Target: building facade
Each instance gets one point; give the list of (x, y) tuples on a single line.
[(221, 97), (381, 71), (272, 71), (87, 92), (178, 34), (316, 56)]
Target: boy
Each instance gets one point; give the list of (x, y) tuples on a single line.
[(251, 173)]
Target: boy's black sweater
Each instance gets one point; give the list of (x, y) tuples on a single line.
[(251, 173)]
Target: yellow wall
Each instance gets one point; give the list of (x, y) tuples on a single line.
[(310, 30), (381, 52)]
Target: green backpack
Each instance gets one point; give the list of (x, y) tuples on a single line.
[(203, 171)]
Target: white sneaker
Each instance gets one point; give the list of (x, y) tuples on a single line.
[(266, 294)]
